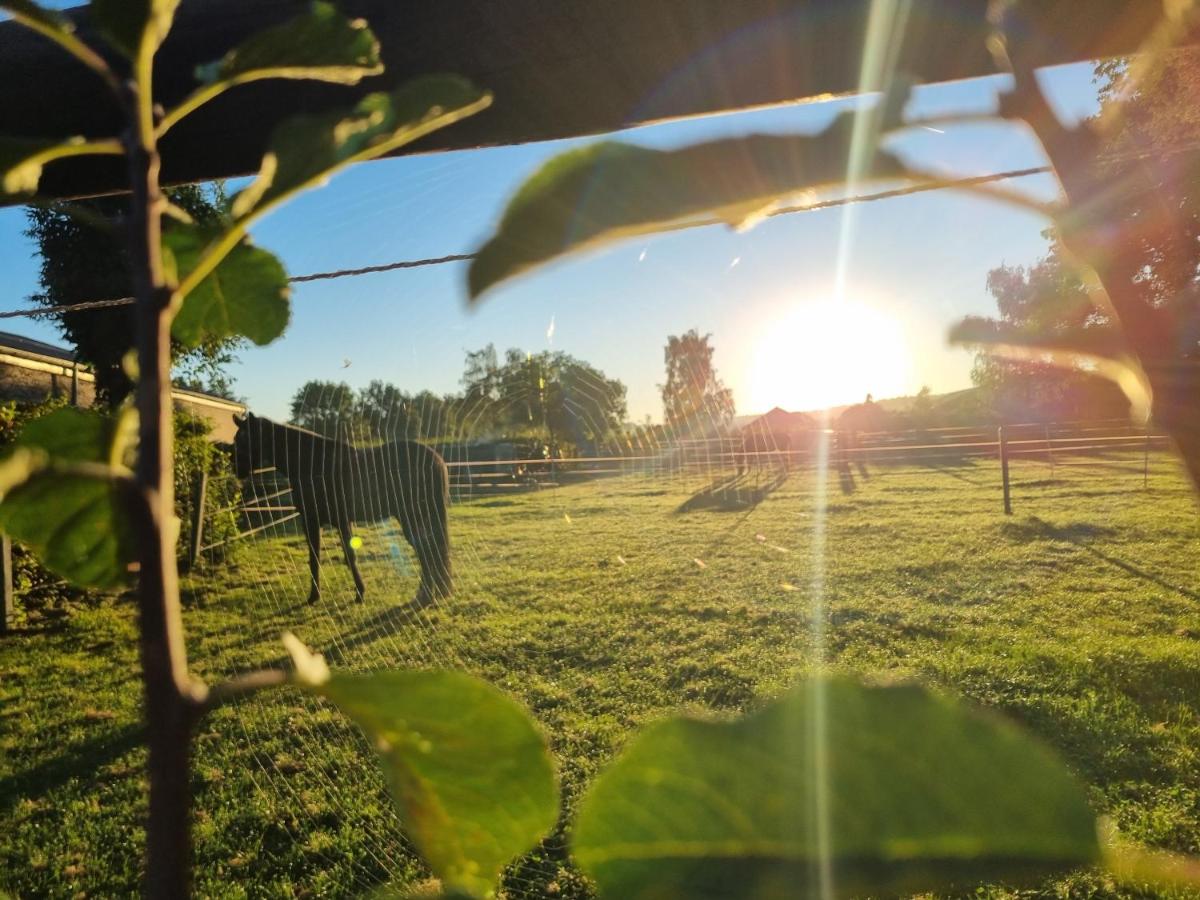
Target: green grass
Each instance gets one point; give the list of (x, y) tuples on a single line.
[(602, 606)]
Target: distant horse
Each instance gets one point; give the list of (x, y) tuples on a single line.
[(336, 484)]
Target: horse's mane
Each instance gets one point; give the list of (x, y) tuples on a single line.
[(283, 426)]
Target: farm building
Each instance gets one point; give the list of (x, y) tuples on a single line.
[(772, 427), (32, 371)]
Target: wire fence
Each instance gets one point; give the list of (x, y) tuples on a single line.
[(267, 505)]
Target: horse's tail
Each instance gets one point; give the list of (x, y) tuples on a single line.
[(433, 549)]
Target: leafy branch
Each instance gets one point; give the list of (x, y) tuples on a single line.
[(68, 492)]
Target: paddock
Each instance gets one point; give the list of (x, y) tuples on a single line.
[(607, 602)]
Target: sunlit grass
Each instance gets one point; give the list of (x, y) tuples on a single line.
[(1079, 615)]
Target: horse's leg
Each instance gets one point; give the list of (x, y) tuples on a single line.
[(424, 596), (312, 537), (351, 558)]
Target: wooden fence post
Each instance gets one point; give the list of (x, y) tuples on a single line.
[(1000, 436), (199, 489), (6, 583)]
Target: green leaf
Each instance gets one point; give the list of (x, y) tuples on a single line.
[(1097, 351), (306, 150), (76, 526), (129, 24), (915, 794), (467, 767), (74, 522), (76, 435), (247, 294), (609, 191), (22, 159), (322, 44)]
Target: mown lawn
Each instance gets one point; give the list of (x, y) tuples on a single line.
[(603, 605)]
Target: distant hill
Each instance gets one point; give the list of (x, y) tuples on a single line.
[(962, 407)]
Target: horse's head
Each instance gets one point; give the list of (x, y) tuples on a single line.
[(250, 450)]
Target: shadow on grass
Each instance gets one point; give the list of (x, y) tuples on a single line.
[(1078, 534), (733, 493), (387, 623), (82, 760), (950, 464)]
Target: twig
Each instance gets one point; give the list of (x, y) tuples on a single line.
[(206, 698)]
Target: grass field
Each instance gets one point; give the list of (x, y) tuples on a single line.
[(603, 605)]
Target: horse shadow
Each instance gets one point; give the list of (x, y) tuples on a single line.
[(846, 478), (732, 493), (953, 465)]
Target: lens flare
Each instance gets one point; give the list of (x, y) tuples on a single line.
[(828, 352)]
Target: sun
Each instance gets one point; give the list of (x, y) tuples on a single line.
[(828, 352)]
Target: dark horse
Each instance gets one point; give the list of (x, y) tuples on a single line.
[(336, 484)]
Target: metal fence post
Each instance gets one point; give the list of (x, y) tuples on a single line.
[(199, 489), (6, 583), (1050, 451), (1001, 437)]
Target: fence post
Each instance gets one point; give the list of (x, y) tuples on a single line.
[(1146, 459), (199, 489), (6, 583), (1050, 451), (1002, 438)]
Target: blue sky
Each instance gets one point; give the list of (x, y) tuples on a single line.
[(919, 262)]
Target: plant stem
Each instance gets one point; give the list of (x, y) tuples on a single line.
[(169, 709)]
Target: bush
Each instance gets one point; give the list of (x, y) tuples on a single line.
[(42, 595)]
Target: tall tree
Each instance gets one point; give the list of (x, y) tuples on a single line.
[(1045, 300), (386, 412), (1151, 212), (481, 381), (328, 408), (550, 395), (694, 399), (85, 259)]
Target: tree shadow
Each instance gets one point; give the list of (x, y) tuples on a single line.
[(1078, 534), (732, 493), (83, 760)]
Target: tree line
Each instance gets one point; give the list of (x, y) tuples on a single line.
[(551, 397)]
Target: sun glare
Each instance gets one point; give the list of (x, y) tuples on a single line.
[(828, 352)]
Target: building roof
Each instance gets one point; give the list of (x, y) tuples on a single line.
[(10, 341), (40, 352)]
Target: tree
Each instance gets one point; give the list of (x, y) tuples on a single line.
[(549, 394), (921, 411), (385, 411), (481, 380), (328, 408), (694, 399), (1046, 300), (84, 258), (1151, 216)]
